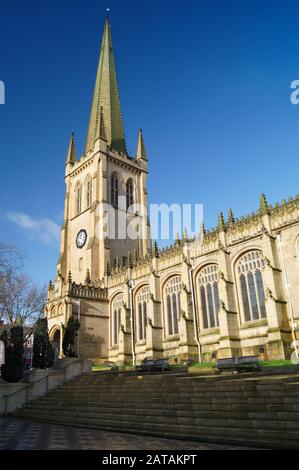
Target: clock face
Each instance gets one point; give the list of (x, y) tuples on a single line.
[(81, 238)]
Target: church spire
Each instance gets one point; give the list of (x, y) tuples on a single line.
[(71, 154), (106, 103), (141, 152)]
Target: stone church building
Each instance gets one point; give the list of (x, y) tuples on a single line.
[(230, 291)]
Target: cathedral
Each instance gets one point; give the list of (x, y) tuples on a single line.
[(232, 290)]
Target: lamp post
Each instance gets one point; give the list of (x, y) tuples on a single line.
[(78, 338), (131, 290)]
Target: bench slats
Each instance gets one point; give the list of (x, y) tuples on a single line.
[(153, 364), (236, 364)]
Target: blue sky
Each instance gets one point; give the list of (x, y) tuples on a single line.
[(209, 83)]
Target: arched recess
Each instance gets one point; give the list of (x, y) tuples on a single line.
[(78, 198), (130, 193), (114, 189), (88, 191)]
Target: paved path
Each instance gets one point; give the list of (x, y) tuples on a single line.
[(27, 435)]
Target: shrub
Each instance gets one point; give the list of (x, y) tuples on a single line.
[(43, 352), (13, 369), (69, 334)]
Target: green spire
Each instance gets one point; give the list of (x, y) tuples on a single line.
[(108, 270), (130, 260), (71, 154), (221, 221), (263, 204), (231, 218), (87, 278), (155, 249), (202, 231), (106, 96), (141, 152)]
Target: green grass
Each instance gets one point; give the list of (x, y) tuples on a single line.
[(199, 365), (96, 367), (276, 363), (203, 365)]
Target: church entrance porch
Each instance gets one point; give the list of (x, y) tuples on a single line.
[(56, 340)]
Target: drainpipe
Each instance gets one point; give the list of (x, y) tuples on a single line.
[(196, 334), (131, 292), (285, 275)]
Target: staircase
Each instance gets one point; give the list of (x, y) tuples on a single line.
[(251, 410)]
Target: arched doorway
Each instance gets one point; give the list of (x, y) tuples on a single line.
[(55, 339)]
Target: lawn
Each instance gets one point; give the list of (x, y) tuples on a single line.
[(203, 365)]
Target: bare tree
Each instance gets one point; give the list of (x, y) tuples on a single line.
[(11, 258), (21, 302)]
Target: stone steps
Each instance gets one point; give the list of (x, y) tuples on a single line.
[(248, 411), (131, 413), (254, 436), (165, 407)]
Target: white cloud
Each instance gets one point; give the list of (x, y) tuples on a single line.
[(44, 230)]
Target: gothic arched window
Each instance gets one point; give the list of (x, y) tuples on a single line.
[(251, 287), (172, 294), (88, 193), (114, 190), (115, 319), (209, 295), (52, 312), (141, 313), (129, 193), (78, 199)]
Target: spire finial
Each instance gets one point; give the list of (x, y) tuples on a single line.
[(87, 278), (106, 95), (263, 204), (231, 218), (108, 271), (71, 154), (141, 152), (221, 222)]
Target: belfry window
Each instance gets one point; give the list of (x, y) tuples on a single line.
[(114, 191), (142, 304), (129, 193), (251, 286), (89, 193), (209, 296), (115, 320), (78, 199), (173, 304)]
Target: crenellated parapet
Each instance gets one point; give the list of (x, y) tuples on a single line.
[(88, 292), (247, 227)]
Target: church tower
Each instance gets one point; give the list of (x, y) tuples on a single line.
[(106, 194)]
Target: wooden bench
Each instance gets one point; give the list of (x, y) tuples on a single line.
[(153, 365), (237, 364)]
